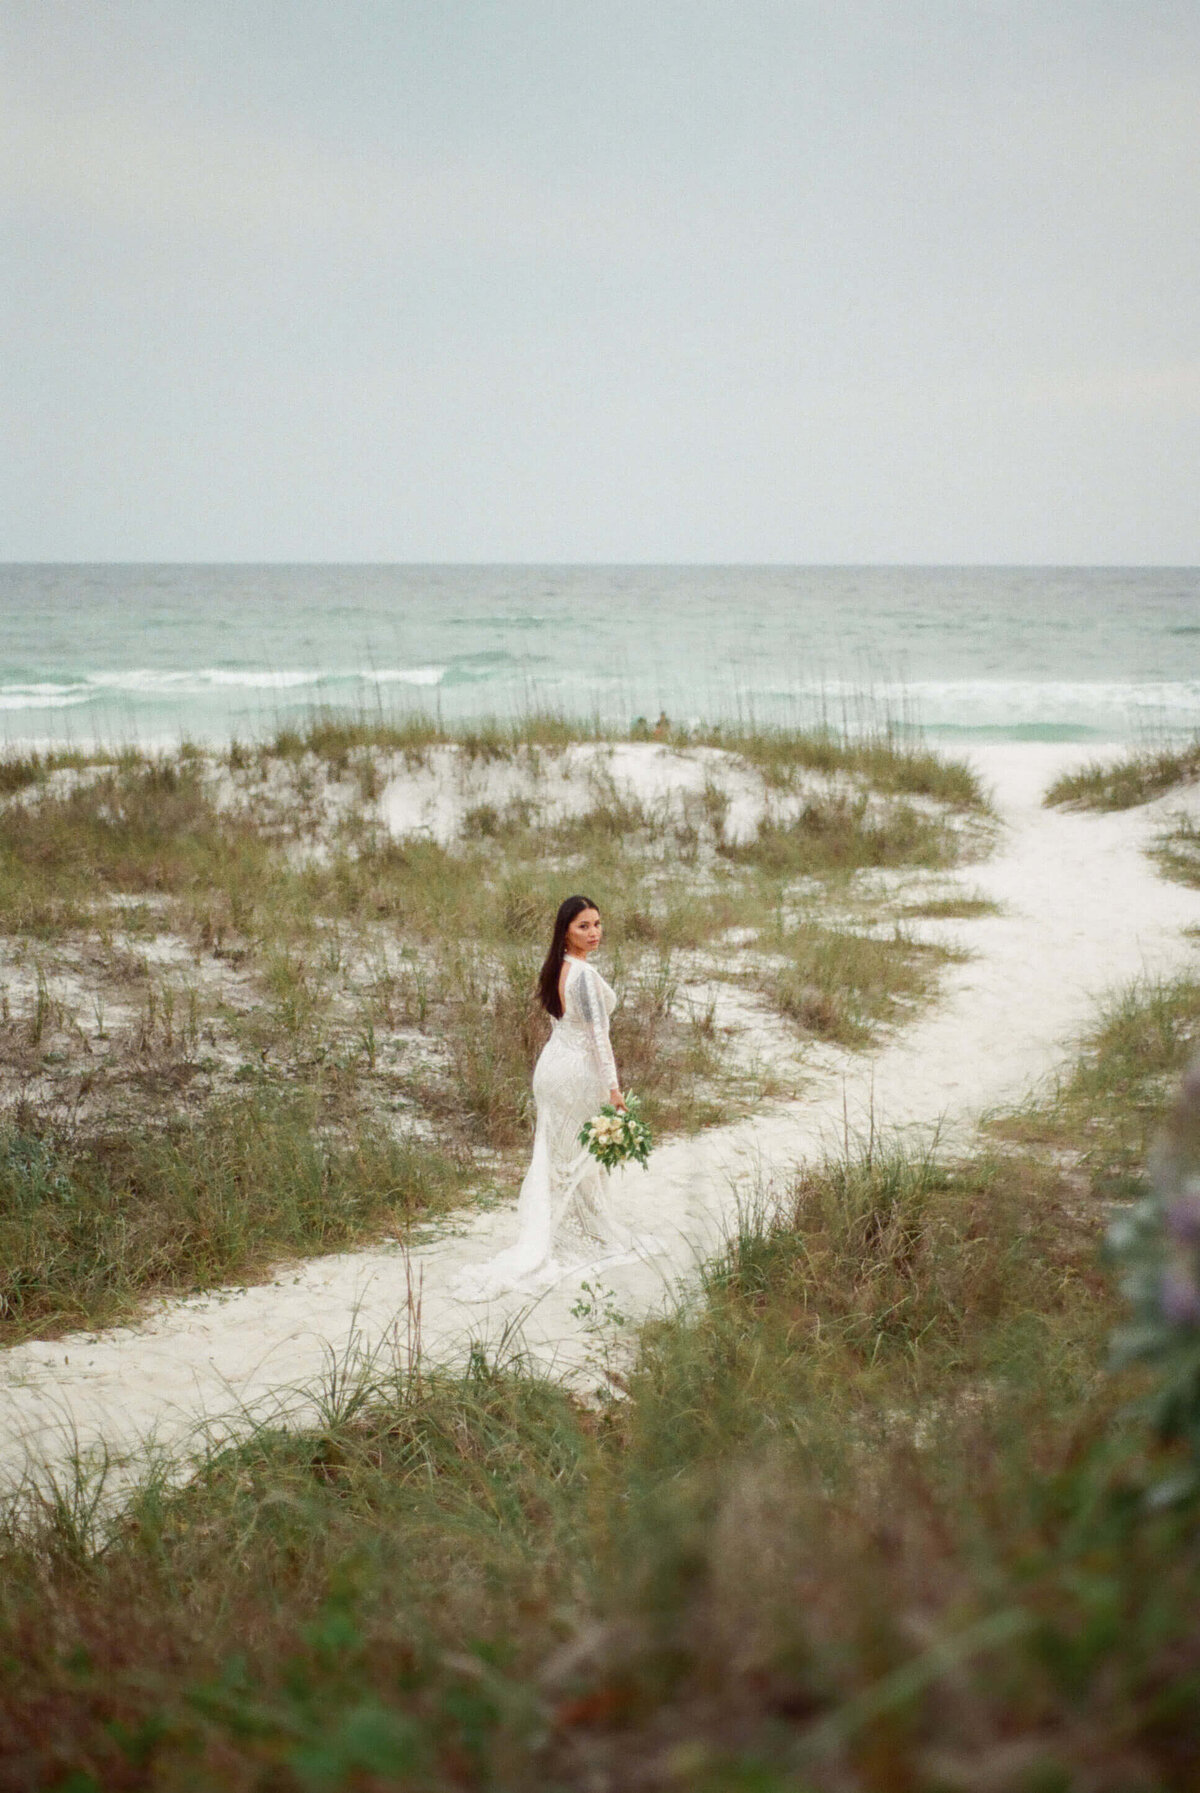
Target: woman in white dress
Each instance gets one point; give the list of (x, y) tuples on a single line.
[(563, 1220)]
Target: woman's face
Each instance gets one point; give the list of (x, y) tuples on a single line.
[(584, 933)]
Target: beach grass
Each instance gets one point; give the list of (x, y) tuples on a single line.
[(1136, 777), (91, 1224), (190, 935), (949, 908), (866, 1513), (333, 736), (1177, 850), (838, 836), (141, 826), (1107, 1106), (840, 984), (888, 760)]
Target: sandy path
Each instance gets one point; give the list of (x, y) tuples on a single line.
[(1082, 911)]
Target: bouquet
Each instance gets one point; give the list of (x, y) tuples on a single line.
[(612, 1136)]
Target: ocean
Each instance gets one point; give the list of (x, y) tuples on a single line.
[(155, 654)]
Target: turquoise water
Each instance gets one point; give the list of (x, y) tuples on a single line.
[(159, 653)]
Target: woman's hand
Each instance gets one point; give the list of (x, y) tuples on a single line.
[(617, 1100)]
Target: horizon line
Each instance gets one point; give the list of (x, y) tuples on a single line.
[(654, 565)]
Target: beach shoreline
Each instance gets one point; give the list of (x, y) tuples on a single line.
[(155, 654)]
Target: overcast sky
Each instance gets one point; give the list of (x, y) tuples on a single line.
[(540, 280)]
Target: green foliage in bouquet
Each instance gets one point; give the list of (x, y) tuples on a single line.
[(1157, 1247), (614, 1137)]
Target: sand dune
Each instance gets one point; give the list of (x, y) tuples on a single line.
[(1082, 910)]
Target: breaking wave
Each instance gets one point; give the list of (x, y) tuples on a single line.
[(148, 684)]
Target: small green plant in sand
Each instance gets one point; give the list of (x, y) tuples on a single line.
[(949, 908), (1136, 777), (596, 1307), (1177, 850)]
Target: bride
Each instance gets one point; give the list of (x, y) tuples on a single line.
[(563, 1220)]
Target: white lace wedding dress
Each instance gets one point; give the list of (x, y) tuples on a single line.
[(564, 1223)]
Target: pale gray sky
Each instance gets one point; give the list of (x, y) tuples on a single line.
[(649, 280)]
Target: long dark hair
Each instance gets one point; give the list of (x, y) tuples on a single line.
[(548, 978)]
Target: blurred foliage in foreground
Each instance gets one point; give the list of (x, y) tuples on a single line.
[(1157, 1246), (866, 1515)]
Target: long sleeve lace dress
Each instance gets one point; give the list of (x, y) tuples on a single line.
[(564, 1223)]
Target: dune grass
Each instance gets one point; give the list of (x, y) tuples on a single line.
[(836, 836), (1177, 851), (90, 1225), (950, 908), (839, 984), (190, 935), (889, 761), (1110, 1102), (157, 825), (1140, 777), (144, 825), (333, 736), (1134, 778), (865, 1515)]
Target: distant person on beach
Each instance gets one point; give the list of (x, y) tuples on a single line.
[(662, 727)]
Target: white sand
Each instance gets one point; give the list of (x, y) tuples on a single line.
[(1083, 911), (435, 795)]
